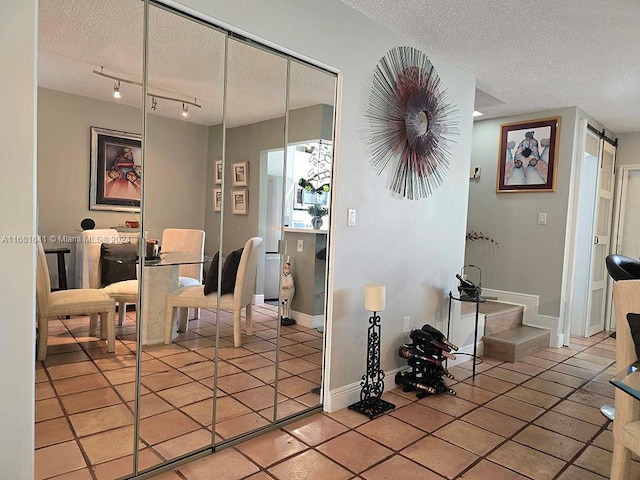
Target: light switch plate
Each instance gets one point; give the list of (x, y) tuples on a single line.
[(351, 217), (300, 245)]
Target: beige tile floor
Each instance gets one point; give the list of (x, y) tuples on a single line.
[(537, 419)]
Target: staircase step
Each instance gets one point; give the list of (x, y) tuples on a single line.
[(513, 344), (501, 316)]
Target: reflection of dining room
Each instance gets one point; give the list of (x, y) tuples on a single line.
[(179, 217)]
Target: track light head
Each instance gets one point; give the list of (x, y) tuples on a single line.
[(185, 110), (116, 90), (154, 103)]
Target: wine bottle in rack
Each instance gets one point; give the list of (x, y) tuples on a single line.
[(409, 353), (421, 337), (405, 380), (438, 335)]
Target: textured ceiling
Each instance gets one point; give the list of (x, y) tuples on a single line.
[(529, 56), (77, 37)]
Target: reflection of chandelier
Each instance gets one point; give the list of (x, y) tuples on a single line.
[(319, 175)]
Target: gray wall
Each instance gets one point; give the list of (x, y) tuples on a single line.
[(176, 167), (628, 152), (529, 257)]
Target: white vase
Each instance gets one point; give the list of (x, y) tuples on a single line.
[(316, 222)]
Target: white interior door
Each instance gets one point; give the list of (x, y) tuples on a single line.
[(626, 228), (587, 183), (601, 239)]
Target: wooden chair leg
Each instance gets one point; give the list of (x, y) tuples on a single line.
[(249, 321), (168, 326), (183, 319), (108, 319), (104, 328), (620, 462), (122, 314), (237, 335), (93, 324), (41, 339)]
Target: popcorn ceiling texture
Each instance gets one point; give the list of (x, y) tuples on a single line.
[(531, 56)]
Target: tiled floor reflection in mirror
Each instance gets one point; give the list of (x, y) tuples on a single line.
[(85, 396), (536, 419)]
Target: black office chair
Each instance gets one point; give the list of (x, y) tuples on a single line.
[(620, 268)]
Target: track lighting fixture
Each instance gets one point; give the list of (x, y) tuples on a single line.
[(154, 96)]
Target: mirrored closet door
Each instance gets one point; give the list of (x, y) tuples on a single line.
[(217, 143)]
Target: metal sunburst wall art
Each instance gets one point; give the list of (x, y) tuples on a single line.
[(412, 121)]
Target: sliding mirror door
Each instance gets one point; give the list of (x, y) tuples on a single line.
[(306, 210), (185, 91), (89, 138), (254, 125), (228, 131)]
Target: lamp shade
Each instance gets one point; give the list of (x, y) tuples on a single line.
[(374, 297)]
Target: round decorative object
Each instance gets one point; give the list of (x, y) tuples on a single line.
[(87, 224), (411, 121)]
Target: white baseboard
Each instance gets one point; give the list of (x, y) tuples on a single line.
[(308, 321)]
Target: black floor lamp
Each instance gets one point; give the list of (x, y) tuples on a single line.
[(371, 403)]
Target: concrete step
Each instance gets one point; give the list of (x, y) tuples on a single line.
[(515, 343)]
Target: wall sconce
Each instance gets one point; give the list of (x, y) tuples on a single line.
[(371, 403)]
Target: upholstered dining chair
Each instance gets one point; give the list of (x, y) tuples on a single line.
[(185, 240), (123, 292), (241, 297), (626, 424), (70, 302)]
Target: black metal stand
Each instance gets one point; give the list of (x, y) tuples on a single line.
[(477, 300), (371, 403)]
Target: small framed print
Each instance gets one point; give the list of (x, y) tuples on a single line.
[(241, 174), (217, 179), (239, 202), (217, 199)]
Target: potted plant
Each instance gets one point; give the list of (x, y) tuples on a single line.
[(317, 211)]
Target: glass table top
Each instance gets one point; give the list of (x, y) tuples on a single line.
[(629, 380), (164, 259)]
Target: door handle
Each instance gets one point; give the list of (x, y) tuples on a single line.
[(595, 240)]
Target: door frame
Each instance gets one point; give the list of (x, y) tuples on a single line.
[(619, 210)]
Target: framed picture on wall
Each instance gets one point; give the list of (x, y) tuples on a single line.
[(217, 179), (528, 153), (116, 170), (241, 174), (217, 199), (239, 202)]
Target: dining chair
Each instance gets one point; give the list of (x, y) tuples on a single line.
[(123, 292), (70, 302), (185, 240), (241, 297)]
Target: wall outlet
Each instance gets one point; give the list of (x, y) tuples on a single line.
[(406, 324), (300, 244)]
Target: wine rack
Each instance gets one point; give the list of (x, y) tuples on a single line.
[(428, 349)]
